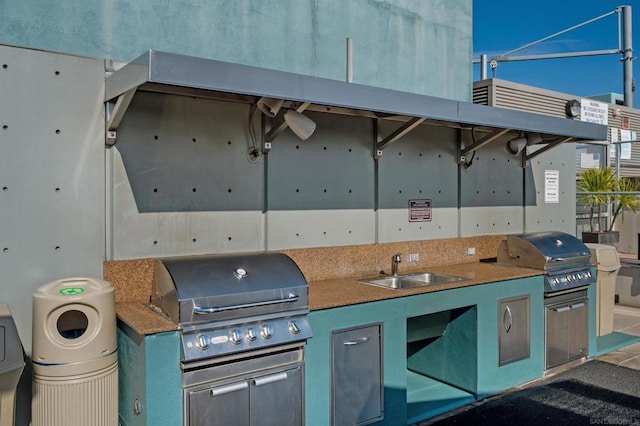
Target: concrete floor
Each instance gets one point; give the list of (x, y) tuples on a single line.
[(626, 319)]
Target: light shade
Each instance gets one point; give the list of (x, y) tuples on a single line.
[(533, 138), (300, 124), (516, 145), (269, 106)]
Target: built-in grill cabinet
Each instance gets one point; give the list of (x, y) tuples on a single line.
[(243, 322), (565, 261)]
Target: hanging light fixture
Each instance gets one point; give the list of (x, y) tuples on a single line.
[(269, 106), (514, 146), (300, 124)]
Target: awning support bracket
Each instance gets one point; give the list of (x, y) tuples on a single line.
[(395, 136), (479, 144), (526, 158), (114, 113)]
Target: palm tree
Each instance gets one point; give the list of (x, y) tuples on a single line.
[(624, 202), (595, 180)]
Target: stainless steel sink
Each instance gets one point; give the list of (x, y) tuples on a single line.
[(431, 278), (402, 282)]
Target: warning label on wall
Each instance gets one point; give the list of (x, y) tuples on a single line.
[(419, 210)]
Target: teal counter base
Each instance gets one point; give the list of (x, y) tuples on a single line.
[(149, 378), (429, 397), (613, 341), (440, 350)]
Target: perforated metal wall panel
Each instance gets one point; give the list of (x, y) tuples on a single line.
[(189, 154), (420, 166), (51, 174), (544, 216), (134, 235), (333, 169), (491, 191), (320, 192)]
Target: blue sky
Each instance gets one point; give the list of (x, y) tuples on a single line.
[(501, 25)]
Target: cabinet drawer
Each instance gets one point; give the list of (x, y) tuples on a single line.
[(356, 375)]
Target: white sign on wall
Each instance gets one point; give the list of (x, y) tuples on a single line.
[(625, 148), (588, 160), (551, 186), (615, 137), (618, 136), (594, 112)]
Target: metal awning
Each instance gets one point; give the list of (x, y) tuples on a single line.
[(192, 76)]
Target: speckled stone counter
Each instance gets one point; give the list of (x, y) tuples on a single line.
[(328, 294), (333, 274), (332, 293), (143, 319)]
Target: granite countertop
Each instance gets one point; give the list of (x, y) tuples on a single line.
[(333, 293), (328, 294)]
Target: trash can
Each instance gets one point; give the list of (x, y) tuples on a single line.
[(74, 354), (605, 259), (11, 366)]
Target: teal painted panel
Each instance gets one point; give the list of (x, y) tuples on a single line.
[(453, 357), (318, 358), (149, 372), (491, 379), (410, 45), (164, 379), (131, 375)]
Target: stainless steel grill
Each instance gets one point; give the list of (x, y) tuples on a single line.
[(243, 322), (565, 261), (227, 304), (563, 258)]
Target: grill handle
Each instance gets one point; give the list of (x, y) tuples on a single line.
[(221, 390), (564, 259), (204, 310)]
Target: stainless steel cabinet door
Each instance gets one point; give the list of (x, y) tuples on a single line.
[(220, 405), (277, 399), (567, 332), (356, 382), (578, 329), (513, 329)]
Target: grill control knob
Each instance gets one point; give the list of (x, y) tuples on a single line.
[(293, 328), (236, 337), (202, 343), (250, 334), (266, 331)]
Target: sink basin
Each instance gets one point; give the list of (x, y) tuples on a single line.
[(402, 282), (431, 278)]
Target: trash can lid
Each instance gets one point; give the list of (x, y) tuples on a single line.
[(604, 257), (69, 287)]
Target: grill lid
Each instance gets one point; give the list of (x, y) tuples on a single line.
[(550, 251), (215, 288)]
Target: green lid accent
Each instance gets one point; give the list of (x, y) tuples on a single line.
[(71, 291)]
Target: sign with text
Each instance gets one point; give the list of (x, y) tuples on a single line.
[(551, 186), (594, 112), (419, 210)]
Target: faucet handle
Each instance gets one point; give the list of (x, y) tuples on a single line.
[(397, 258)]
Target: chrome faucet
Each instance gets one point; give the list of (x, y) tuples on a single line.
[(395, 260)]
